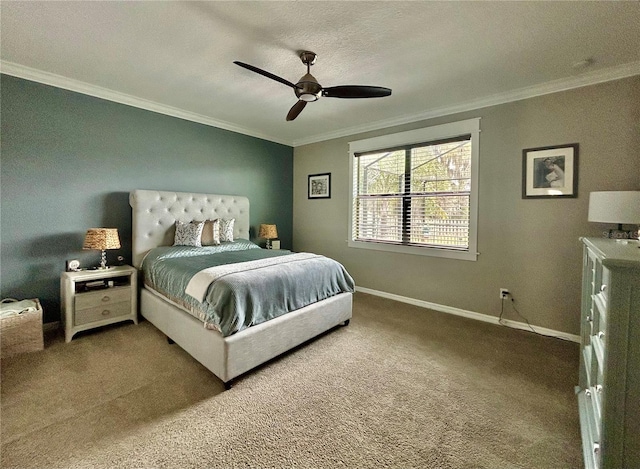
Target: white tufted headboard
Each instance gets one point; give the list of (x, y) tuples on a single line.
[(155, 214)]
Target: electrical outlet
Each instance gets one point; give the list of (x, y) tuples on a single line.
[(504, 293)]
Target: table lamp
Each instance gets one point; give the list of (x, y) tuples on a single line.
[(268, 232), (619, 207), (102, 239)]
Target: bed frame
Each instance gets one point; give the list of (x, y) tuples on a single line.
[(154, 214)]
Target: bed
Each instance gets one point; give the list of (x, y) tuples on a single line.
[(248, 343)]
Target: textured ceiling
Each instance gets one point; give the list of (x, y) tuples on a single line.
[(438, 57)]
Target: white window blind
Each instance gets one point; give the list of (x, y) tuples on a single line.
[(418, 195)]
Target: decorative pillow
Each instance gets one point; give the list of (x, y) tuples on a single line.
[(211, 233), (188, 234), (226, 229)]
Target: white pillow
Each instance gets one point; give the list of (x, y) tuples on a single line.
[(226, 229), (188, 234)]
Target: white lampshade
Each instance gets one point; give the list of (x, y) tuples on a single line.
[(621, 207)]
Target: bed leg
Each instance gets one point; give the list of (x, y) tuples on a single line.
[(346, 323), (228, 385), (170, 340)]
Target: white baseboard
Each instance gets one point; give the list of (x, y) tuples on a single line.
[(471, 314)]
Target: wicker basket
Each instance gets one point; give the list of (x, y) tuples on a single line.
[(21, 333)]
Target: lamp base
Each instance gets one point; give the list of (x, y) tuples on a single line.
[(103, 260)]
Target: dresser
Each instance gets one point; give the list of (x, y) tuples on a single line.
[(609, 379), (94, 298)]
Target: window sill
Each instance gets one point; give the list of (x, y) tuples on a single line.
[(415, 250)]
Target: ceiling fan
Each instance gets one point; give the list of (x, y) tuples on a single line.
[(308, 89)]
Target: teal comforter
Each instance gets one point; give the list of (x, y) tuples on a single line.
[(234, 302)]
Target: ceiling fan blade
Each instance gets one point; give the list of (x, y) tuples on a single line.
[(296, 109), (265, 73), (356, 91)]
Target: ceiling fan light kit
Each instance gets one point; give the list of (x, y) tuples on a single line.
[(308, 89)]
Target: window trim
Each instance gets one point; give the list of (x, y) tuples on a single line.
[(411, 137)]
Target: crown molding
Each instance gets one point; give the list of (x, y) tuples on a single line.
[(59, 81), (564, 84), (555, 86)]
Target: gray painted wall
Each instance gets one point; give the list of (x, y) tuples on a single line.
[(529, 246), (70, 160)]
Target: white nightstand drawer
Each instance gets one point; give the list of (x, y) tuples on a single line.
[(99, 313), (104, 297)]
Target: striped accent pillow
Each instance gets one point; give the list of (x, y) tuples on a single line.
[(211, 233)]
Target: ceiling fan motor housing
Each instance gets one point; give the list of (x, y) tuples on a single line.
[(308, 89)]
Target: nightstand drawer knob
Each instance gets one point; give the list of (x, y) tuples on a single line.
[(105, 299), (106, 312)]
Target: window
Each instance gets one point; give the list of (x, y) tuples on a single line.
[(416, 191)]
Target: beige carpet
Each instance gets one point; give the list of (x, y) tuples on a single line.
[(400, 387)]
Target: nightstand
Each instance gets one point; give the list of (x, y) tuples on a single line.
[(94, 298)]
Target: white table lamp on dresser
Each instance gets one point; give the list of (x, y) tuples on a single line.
[(617, 207)]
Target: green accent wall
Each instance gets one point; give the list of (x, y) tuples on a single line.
[(69, 161)]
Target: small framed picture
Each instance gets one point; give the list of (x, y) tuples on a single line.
[(549, 172), (319, 186), (72, 265)]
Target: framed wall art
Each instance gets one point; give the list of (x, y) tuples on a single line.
[(319, 186), (549, 172)]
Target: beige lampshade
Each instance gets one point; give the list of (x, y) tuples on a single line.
[(101, 239), (268, 232)]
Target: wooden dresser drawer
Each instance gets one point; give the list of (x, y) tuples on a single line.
[(102, 312), (104, 297)]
